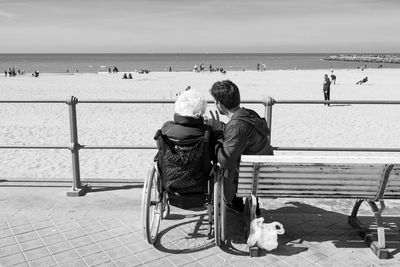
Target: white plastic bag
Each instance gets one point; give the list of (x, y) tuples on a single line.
[(264, 234)]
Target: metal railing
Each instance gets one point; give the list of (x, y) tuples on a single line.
[(78, 189)]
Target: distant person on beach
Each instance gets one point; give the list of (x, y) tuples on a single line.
[(327, 89), (125, 76), (333, 78), (186, 173), (195, 68), (364, 80), (258, 66), (130, 76), (244, 133)]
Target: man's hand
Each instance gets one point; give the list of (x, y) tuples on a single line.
[(215, 122)]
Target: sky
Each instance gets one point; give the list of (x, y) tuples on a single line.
[(201, 26)]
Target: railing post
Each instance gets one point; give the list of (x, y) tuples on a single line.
[(268, 103), (77, 188)]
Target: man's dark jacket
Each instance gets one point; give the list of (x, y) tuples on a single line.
[(245, 134)]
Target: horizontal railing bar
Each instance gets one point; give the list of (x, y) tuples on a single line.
[(154, 147), (337, 149), (153, 101), (369, 102), (119, 147), (35, 147), (33, 101)]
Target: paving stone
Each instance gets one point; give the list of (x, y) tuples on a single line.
[(3, 224), (5, 233), (47, 231), (129, 261), (110, 243), (73, 263), (119, 231), (22, 264), (111, 223), (148, 255), (160, 262), (107, 264), (66, 227), (94, 228), (117, 252), (26, 236), (213, 260), (13, 222), (43, 225), (96, 259), (32, 244), (22, 229), (88, 250), (86, 221), (36, 253), (64, 256), (46, 261), (100, 236), (12, 259), (74, 234), (7, 241), (180, 259), (128, 238), (81, 241), (194, 264), (138, 246), (9, 250), (59, 247), (52, 239)]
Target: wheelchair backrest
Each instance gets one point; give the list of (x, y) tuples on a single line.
[(184, 165)]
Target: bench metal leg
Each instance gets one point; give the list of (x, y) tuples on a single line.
[(379, 248), (249, 216)]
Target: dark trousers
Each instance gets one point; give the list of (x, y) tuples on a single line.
[(230, 184), (327, 95)]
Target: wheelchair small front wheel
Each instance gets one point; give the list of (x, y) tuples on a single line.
[(151, 207)]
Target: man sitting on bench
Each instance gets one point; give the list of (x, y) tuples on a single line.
[(244, 133)]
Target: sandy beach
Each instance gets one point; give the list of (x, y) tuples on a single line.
[(135, 124)]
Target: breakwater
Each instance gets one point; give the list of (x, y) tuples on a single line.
[(395, 59)]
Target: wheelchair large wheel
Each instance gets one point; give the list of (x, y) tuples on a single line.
[(151, 207), (219, 212)]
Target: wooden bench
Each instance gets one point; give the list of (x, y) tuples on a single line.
[(370, 179)]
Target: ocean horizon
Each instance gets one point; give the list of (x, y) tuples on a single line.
[(127, 62)]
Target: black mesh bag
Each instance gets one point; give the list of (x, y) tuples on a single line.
[(184, 165)]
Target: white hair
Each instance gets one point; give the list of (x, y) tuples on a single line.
[(190, 104)]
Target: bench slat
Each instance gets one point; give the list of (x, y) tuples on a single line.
[(313, 181), (320, 159), (319, 194), (314, 187)]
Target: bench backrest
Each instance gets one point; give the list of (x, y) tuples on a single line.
[(320, 177)]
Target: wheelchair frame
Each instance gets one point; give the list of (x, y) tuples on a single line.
[(155, 206)]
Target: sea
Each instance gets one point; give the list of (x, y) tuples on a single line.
[(97, 63)]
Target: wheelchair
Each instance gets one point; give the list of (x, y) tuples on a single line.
[(187, 193)]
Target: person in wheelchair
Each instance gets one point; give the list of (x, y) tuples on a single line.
[(184, 159)]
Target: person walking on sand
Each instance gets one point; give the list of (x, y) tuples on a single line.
[(327, 89), (333, 78), (244, 133)]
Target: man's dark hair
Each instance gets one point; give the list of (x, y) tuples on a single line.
[(227, 93)]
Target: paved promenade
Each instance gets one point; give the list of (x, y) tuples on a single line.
[(41, 226)]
